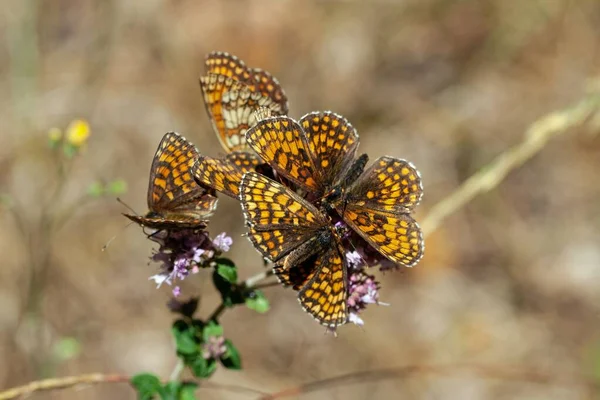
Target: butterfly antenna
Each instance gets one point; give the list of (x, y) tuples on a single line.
[(115, 236), (126, 206)]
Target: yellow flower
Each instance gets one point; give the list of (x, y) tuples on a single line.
[(78, 132)]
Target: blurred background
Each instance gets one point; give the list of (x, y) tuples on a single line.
[(512, 279)]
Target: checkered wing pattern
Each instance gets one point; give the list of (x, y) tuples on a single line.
[(326, 293), (377, 207), (232, 92), (390, 185), (175, 200), (281, 142), (333, 143), (259, 80), (213, 86), (295, 235), (279, 220), (239, 107), (224, 175)]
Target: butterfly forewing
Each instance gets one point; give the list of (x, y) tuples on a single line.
[(175, 200), (281, 142), (333, 143)]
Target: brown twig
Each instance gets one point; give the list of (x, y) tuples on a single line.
[(536, 137), (506, 373), (61, 383), (92, 379)]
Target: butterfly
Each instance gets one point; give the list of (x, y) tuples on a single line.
[(318, 153), (232, 92), (175, 200), (302, 242)]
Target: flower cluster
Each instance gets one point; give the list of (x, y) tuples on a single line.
[(184, 252)]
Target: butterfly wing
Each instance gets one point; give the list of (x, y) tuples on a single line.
[(225, 175), (377, 208), (279, 220), (173, 195), (232, 92), (333, 143), (184, 221), (281, 142), (258, 80), (325, 295)]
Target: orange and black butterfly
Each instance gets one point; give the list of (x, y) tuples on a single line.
[(302, 242), (175, 200), (318, 154), (233, 92)]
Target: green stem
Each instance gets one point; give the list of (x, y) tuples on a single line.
[(251, 283), (176, 374)]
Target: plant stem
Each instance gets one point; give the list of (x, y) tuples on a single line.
[(61, 383), (536, 137), (251, 283), (177, 371)]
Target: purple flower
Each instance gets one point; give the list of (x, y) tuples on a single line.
[(223, 242), (176, 291), (184, 252), (363, 290), (215, 348), (354, 259)]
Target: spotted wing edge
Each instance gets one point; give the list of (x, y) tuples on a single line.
[(304, 296)]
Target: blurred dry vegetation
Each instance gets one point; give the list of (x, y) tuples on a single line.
[(512, 279)]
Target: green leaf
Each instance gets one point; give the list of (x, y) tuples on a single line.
[(186, 339), (117, 187), (187, 391), (211, 329), (147, 386), (257, 301), (203, 368), (179, 391), (96, 189), (169, 391), (227, 269), (230, 294), (231, 359)]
